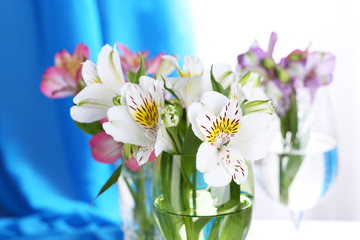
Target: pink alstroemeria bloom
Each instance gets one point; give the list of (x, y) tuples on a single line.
[(105, 149), (62, 80), (130, 62), (133, 165)]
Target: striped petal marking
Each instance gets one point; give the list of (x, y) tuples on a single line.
[(219, 130), (144, 110)]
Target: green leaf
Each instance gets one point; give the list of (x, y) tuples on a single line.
[(131, 77), (188, 153), (289, 122), (111, 181), (91, 128), (244, 79), (171, 91), (141, 71), (191, 143), (235, 190), (217, 87)]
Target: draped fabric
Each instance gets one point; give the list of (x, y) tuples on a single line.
[(47, 174)]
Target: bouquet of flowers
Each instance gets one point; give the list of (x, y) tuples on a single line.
[(66, 79), (291, 84), (205, 122)]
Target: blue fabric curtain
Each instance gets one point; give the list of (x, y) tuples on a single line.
[(47, 175)]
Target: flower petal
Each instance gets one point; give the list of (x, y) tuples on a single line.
[(193, 66), (153, 64), (109, 68), (165, 68), (193, 111), (273, 39), (92, 103), (163, 142), (189, 89), (61, 58), (207, 157), (255, 135), (125, 50), (231, 111), (105, 149), (216, 173), (58, 83), (132, 164), (154, 87), (89, 73), (223, 74), (205, 121), (192, 91), (213, 102), (176, 83), (143, 155), (122, 127), (143, 108), (173, 60), (217, 177), (81, 52), (234, 162)]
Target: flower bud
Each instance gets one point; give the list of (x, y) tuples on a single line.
[(252, 78), (170, 116), (283, 76), (259, 106), (268, 63), (117, 100)]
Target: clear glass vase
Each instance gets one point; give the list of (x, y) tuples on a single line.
[(299, 169), (186, 207), (135, 204)]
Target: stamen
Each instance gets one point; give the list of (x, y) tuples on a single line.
[(147, 114)]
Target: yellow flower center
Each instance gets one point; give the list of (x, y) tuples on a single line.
[(147, 114), (221, 131)]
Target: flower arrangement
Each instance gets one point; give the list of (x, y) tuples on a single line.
[(214, 119), (291, 84), (140, 117), (66, 79)]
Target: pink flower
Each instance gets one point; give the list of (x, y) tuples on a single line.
[(130, 61), (105, 149), (133, 165), (62, 80)]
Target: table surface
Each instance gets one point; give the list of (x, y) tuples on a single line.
[(309, 230)]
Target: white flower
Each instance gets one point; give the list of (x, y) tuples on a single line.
[(228, 138), (190, 85), (224, 75), (137, 121), (103, 83)]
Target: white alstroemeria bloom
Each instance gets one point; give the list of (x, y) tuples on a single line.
[(224, 75), (137, 120), (248, 92), (229, 137), (103, 83), (191, 84)]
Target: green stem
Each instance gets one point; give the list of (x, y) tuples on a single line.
[(145, 222), (194, 189), (133, 194), (215, 229)]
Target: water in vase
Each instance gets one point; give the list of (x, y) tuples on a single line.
[(299, 179), (206, 221)]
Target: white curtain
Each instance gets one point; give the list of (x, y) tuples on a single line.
[(224, 29)]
